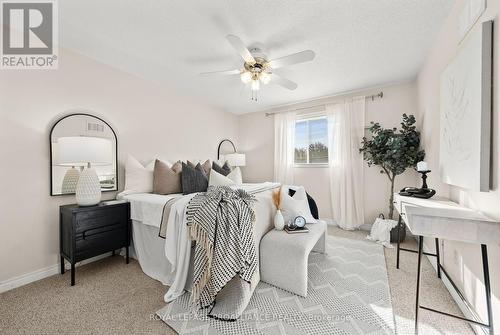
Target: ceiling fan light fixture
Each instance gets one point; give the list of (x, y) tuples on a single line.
[(246, 77), (257, 68), (255, 85), (265, 78)]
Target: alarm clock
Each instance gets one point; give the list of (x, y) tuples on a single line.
[(299, 221)]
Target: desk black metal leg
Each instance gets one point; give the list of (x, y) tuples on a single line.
[(417, 304), (486, 274), (72, 274), (398, 242), (437, 258), (126, 255), (62, 265)]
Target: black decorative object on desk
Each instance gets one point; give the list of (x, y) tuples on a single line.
[(86, 232), (424, 178), (424, 192)]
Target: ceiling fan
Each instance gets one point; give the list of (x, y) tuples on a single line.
[(258, 69)]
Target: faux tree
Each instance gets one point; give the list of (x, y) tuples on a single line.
[(393, 150)]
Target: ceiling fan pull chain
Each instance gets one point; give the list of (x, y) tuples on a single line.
[(254, 96)]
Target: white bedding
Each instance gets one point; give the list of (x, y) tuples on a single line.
[(146, 210), (171, 267), (147, 207), (150, 252), (178, 247)]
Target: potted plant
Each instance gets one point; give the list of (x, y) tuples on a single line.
[(393, 150)]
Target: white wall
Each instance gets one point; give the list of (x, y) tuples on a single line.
[(148, 119), (462, 260), (256, 139)]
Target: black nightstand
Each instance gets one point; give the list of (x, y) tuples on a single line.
[(86, 232)]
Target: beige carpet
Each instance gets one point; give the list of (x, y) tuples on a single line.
[(111, 297)]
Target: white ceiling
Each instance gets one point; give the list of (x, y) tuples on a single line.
[(358, 43)]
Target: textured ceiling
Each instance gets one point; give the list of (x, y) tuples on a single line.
[(358, 43)]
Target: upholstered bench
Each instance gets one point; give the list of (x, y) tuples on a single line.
[(284, 257)]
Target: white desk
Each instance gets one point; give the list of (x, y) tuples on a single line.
[(441, 218)]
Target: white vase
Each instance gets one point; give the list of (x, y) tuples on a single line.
[(88, 189), (279, 221), (70, 180)]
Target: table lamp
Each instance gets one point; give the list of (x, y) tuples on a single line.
[(72, 175), (236, 159), (85, 151)]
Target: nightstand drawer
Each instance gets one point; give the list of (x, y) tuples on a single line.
[(96, 241), (91, 220)]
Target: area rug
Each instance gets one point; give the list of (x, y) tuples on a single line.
[(348, 293)]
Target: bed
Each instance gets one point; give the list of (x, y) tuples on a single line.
[(158, 258), (168, 259)]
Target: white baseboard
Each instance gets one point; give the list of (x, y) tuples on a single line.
[(31, 277), (27, 278), (466, 310)]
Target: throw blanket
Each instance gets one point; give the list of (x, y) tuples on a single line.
[(221, 222), (165, 216)]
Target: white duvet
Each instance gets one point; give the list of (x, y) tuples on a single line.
[(148, 209), (178, 247)]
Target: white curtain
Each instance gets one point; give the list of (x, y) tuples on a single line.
[(284, 150), (345, 132)]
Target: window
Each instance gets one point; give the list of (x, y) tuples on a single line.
[(311, 141)]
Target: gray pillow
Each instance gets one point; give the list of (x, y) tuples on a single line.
[(224, 170), (193, 180), (206, 166)]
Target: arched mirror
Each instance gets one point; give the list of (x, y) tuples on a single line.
[(82, 140)]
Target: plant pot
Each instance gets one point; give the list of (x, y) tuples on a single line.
[(394, 234)]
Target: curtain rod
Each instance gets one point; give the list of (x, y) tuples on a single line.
[(373, 96)]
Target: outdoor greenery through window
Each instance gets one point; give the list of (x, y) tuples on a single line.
[(311, 141)]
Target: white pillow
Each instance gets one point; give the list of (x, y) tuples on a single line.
[(138, 178), (235, 175), (217, 179), (292, 207), (233, 178)]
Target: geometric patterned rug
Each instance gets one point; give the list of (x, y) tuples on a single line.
[(348, 293)]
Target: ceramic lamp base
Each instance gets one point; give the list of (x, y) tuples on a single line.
[(88, 189), (70, 180)]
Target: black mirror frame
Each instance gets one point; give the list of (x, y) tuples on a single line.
[(50, 150)]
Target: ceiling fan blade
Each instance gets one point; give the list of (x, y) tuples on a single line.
[(299, 57), (228, 72), (240, 47), (286, 83)]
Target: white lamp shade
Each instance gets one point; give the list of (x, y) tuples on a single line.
[(236, 159), (80, 150)]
